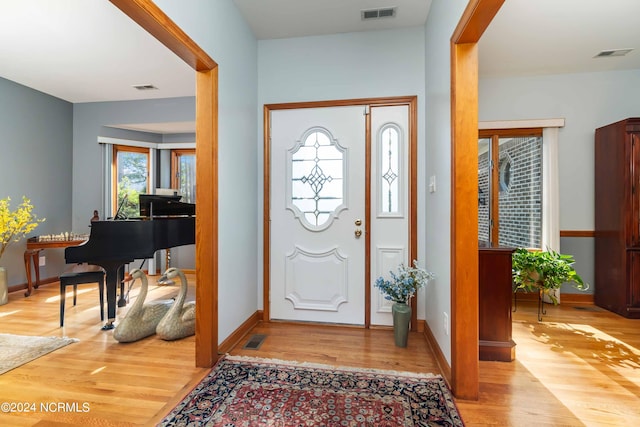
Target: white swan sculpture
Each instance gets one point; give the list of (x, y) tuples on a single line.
[(180, 321), (141, 319)]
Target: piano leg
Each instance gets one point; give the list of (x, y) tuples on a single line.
[(111, 282), (122, 301)]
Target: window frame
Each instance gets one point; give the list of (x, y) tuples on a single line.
[(176, 154), (117, 148), (494, 136)]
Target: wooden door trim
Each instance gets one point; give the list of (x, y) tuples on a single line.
[(464, 195), (412, 103), (151, 18), (367, 221)]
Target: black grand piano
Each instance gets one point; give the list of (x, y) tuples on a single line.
[(165, 222)]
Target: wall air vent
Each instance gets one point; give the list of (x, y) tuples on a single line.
[(612, 52), (145, 87), (387, 12)]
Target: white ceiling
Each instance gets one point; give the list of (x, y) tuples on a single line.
[(276, 19), (85, 51), (533, 37), (89, 51)]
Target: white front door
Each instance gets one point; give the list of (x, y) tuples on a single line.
[(318, 197)]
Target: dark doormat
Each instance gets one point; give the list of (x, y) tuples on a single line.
[(255, 341)]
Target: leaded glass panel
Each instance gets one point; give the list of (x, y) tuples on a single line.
[(317, 178), (389, 170)]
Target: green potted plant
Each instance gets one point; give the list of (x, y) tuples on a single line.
[(400, 288), (544, 272), (14, 225)]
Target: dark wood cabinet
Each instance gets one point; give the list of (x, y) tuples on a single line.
[(495, 296), (617, 217)]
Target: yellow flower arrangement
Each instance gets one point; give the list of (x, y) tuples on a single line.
[(15, 224)]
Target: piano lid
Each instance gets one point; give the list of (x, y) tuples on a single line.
[(164, 205), (127, 240)]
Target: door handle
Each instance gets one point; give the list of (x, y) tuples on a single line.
[(358, 233)]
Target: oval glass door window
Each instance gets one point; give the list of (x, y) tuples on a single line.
[(317, 179)]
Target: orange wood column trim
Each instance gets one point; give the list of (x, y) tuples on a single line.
[(464, 198), (413, 198), (464, 222), (367, 221), (266, 215), (150, 17), (207, 218), (475, 19)]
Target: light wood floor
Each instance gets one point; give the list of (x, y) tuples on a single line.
[(580, 366), (123, 384)]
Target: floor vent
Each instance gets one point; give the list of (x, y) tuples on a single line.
[(255, 341)]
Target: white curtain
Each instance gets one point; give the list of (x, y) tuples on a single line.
[(188, 178), (107, 157), (107, 177), (550, 193), (550, 190)]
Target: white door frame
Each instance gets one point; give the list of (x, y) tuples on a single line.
[(412, 103)]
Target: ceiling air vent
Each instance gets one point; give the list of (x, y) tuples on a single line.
[(145, 87), (612, 52), (387, 12)]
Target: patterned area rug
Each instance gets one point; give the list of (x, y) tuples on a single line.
[(243, 391), (16, 350)]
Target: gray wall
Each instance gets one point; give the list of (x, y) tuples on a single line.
[(63, 179), (218, 28), (36, 147), (442, 20), (89, 121), (346, 66), (587, 101), (582, 249)]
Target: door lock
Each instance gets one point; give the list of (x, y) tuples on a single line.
[(358, 222)]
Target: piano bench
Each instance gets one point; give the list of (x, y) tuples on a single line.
[(77, 275)]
